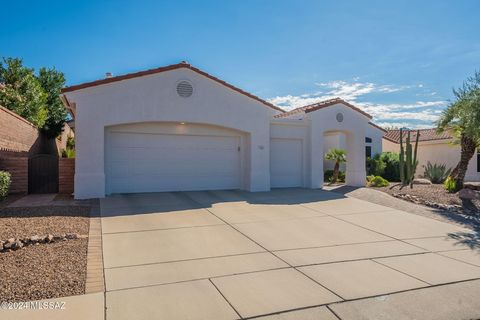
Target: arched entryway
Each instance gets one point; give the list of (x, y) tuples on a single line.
[(353, 144)]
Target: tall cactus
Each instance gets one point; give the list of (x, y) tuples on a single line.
[(408, 159)]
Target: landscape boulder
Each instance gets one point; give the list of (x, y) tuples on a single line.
[(421, 181), (469, 194)]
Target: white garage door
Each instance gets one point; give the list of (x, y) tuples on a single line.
[(140, 162), (286, 163)]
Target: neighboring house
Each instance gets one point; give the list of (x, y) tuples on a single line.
[(179, 128), (436, 148)]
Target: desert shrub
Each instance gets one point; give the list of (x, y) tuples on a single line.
[(68, 153), (328, 176), (5, 180), (377, 181), (392, 166), (70, 142), (450, 185), (436, 173), (375, 166)]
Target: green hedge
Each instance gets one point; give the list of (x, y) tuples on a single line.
[(4, 184)]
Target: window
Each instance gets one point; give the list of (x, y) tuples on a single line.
[(368, 140), (368, 151)]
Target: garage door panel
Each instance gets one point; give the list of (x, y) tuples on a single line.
[(139, 162), (286, 165)]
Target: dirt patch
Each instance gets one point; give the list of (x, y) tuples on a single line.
[(432, 193), (44, 271), (26, 222)]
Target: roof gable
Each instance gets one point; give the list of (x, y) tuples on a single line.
[(183, 64), (321, 105)]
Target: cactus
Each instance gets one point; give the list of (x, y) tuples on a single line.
[(408, 159)]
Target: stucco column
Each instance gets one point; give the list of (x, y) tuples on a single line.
[(89, 162), (316, 157), (356, 172), (260, 162)]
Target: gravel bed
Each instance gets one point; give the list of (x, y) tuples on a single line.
[(44, 271), (26, 222), (434, 193)]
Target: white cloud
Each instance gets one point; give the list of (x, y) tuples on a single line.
[(419, 113)]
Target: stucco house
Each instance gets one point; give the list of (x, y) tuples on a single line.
[(436, 148), (178, 128)]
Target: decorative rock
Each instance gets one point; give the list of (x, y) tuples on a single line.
[(1, 245), (469, 194), (49, 238), (421, 181), (35, 239), (17, 245), (472, 186), (71, 236)]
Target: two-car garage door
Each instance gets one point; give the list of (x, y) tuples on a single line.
[(150, 162)]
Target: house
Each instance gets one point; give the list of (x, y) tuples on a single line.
[(436, 148), (179, 128)]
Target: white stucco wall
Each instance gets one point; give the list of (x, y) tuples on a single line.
[(154, 98), (377, 137), (440, 152), (297, 130), (354, 126)]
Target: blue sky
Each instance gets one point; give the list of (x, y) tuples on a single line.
[(398, 60)]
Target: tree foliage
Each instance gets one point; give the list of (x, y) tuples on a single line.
[(338, 156), (22, 92), (52, 81), (463, 117), (34, 97)]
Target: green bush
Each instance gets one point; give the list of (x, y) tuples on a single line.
[(436, 173), (328, 175), (375, 166), (4, 184), (377, 181), (450, 185), (392, 166), (68, 153)]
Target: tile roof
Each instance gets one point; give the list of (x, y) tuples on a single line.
[(321, 105), (182, 64), (425, 135)]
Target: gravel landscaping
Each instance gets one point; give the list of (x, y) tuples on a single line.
[(429, 195), (44, 270)]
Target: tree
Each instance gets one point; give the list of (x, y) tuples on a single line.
[(339, 156), (463, 117), (52, 81), (22, 92)]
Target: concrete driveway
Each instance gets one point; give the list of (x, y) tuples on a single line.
[(284, 254)]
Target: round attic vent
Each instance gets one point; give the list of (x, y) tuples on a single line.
[(184, 89), (339, 117)]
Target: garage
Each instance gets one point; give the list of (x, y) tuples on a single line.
[(286, 165), (150, 158)]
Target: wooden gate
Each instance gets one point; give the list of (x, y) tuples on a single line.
[(43, 174)]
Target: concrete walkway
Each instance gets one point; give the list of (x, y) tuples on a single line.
[(285, 254)]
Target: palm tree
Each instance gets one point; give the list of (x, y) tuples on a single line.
[(339, 156), (463, 117)]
